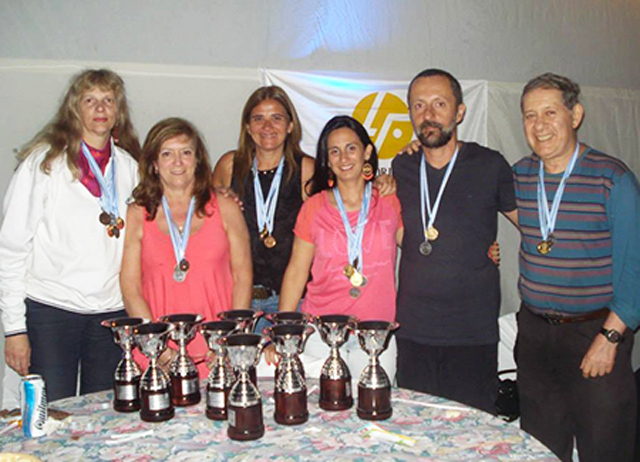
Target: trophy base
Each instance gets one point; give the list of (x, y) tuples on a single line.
[(156, 406), (335, 395), (126, 397), (245, 423), (217, 399), (185, 391), (374, 404), (291, 408)]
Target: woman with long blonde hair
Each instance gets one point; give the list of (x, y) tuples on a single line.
[(60, 242)]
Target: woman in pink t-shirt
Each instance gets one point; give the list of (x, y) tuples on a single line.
[(346, 160), (187, 248)]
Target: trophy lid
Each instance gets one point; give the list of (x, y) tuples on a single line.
[(289, 317), (337, 319), (123, 322), (223, 327)]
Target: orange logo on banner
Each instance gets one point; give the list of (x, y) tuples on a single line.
[(386, 118)]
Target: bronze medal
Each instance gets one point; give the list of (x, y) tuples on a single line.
[(270, 242), (105, 218), (432, 233), (119, 223), (264, 233), (184, 265)]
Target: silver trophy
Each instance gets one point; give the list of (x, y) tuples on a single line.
[(290, 390), (245, 319), (294, 318), (335, 377), (374, 386), (155, 388), (185, 386), (222, 377), (245, 402), (126, 397)]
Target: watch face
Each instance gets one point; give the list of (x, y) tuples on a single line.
[(613, 336)]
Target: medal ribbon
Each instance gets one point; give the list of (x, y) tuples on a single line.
[(108, 192), (354, 235), (266, 210), (179, 240), (425, 200), (548, 217)]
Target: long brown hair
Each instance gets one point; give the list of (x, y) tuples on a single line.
[(243, 158), (148, 193), (63, 133)]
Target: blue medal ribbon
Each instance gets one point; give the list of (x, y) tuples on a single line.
[(108, 191), (548, 217), (355, 234), (266, 209), (425, 201), (179, 240)]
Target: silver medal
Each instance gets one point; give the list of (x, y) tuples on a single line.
[(426, 248), (354, 292), (179, 275)]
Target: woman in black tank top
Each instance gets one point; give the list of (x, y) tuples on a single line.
[(270, 132)]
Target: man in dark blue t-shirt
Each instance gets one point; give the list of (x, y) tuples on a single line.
[(449, 290)]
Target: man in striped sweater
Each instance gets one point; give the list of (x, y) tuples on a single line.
[(579, 214)]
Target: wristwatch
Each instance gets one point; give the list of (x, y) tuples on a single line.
[(612, 335)]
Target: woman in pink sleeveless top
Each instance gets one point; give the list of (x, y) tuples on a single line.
[(174, 203)]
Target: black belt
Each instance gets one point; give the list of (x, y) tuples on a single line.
[(554, 318), (261, 292)]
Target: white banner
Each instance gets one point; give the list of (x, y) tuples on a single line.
[(380, 105)]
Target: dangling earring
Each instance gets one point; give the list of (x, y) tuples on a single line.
[(114, 134), (330, 179), (367, 171)]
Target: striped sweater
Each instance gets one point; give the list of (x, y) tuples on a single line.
[(595, 261)]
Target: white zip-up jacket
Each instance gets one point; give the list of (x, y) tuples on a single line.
[(53, 249)]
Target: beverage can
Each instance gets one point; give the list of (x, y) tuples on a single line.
[(33, 404)]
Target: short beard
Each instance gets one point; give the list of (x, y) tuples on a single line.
[(441, 139)]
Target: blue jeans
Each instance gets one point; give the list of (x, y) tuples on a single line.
[(267, 305), (62, 340)]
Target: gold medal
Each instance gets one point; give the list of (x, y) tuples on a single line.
[(264, 233), (432, 233), (356, 278), (119, 223), (269, 242), (348, 271), (544, 247)]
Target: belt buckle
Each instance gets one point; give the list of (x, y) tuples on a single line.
[(553, 318), (261, 293)]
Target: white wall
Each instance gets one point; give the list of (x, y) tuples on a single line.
[(200, 59)]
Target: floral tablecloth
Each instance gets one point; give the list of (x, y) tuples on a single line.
[(439, 430)]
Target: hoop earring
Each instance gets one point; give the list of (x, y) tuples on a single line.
[(367, 171)]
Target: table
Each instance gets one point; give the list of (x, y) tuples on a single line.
[(442, 430)]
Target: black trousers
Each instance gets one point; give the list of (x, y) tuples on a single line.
[(466, 374), (61, 341), (558, 404)]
